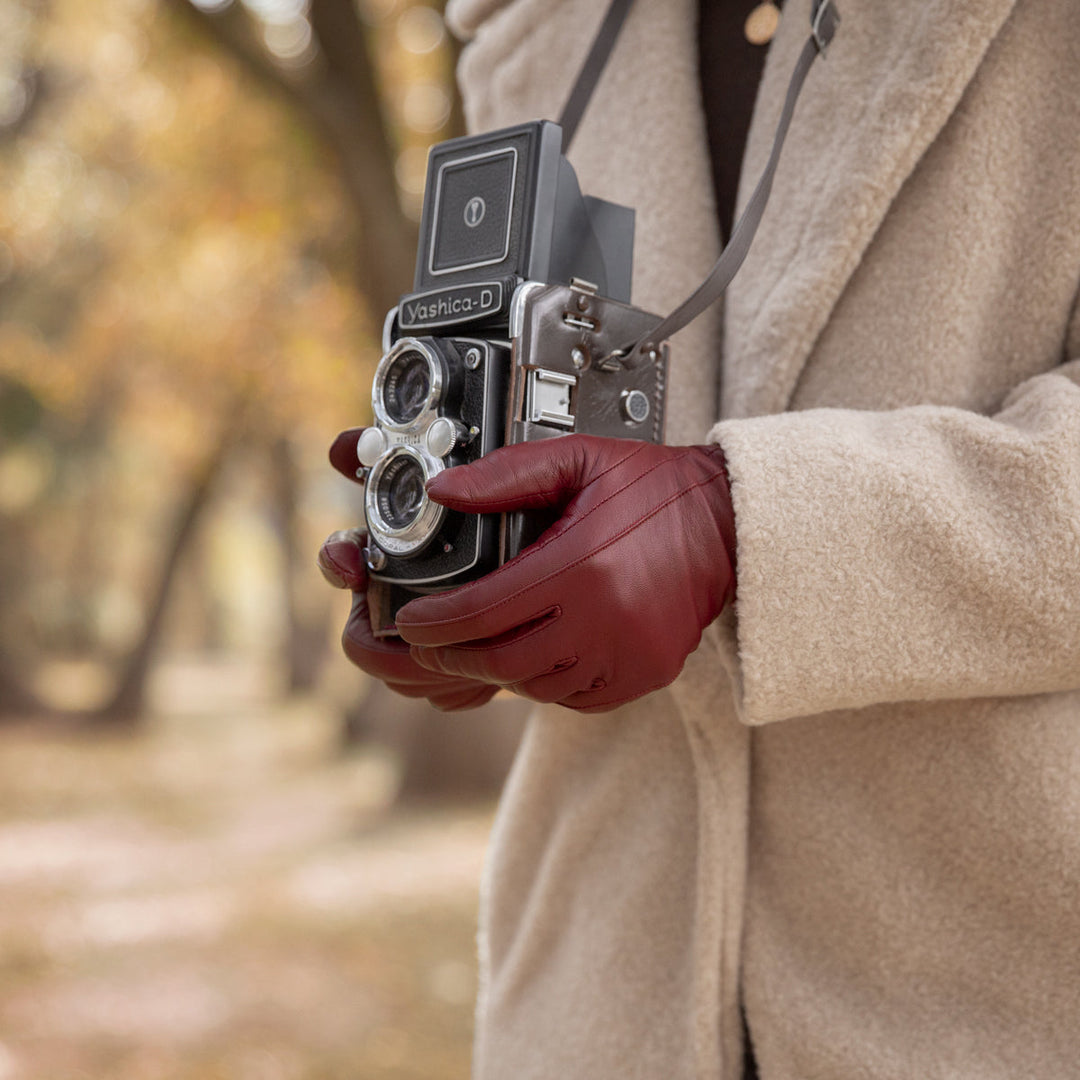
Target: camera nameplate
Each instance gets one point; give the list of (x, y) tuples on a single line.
[(452, 305)]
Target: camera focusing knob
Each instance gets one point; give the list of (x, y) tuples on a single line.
[(444, 434), (370, 446)]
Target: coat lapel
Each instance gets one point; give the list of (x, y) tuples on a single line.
[(868, 112)]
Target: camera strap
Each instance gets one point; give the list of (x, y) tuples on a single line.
[(824, 19), (591, 70)]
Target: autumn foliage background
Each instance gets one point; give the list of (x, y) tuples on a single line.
[(206, 207)]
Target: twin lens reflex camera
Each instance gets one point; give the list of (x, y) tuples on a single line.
[(514, 332)]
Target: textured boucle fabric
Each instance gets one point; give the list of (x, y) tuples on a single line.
[(857, 812), (871, 546)]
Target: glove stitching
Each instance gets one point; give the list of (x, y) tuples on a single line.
[(540, 546), (614, 704), (439, 653), (525, 688), (523, 501), (577, 562), (555, 669), (528, 627)]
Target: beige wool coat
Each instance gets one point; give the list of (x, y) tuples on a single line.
[(858, 809)]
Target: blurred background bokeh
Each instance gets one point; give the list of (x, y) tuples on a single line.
[(223, 854)]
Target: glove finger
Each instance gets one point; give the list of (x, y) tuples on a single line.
[(506, 602), (525, 476), (341, 559), (471, 696), (599, 699), (508, 661), (444, 691), (343, 452), (559, 685), (387, 659)]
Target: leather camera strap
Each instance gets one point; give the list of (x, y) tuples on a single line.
[(591, 70), (823, 27), (824, 19)]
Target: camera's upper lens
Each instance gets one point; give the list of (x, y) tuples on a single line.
[(401, 492), (410, 381), (407, 386)]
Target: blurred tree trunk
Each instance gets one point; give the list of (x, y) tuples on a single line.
[(466, 754), (127, 704), (16, 701), (305, 623), (338, 96)]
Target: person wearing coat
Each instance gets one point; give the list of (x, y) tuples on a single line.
[(849, 829)]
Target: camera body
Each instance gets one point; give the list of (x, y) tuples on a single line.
[(512, 334)]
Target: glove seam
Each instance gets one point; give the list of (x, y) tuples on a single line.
[(542, 545), (577, 562), (490, 507), (618, 701), (541, 621)]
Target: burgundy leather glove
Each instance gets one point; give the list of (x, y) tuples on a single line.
[(341, 561), (611, 600)]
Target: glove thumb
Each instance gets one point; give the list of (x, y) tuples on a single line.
[(343, 452)]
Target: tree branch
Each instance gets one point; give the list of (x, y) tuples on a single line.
[(338, 95)]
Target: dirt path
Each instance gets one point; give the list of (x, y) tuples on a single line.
[(226, 898)]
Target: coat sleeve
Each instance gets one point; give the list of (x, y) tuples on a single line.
[(923, 553)]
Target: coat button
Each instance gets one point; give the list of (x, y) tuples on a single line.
[(761, 23)]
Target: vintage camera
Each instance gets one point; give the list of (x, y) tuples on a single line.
[(513, 333)]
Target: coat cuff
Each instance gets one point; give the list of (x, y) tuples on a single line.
[(918, 554)]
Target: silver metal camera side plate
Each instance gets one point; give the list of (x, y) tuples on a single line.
[(559, 336), (560, 333)]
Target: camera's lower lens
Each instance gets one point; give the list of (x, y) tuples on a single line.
[(407, 386), (401, 519), (401, 492)]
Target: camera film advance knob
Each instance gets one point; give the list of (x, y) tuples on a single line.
[(444, 434), (370, 446)]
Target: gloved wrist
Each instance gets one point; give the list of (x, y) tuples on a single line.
[(724, 510)]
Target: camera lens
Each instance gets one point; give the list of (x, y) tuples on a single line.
[(401, 519), (410, 381), (407, 387), (401, 492)]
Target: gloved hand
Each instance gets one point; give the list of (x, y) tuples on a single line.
[(611, 600), (341, 561)]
